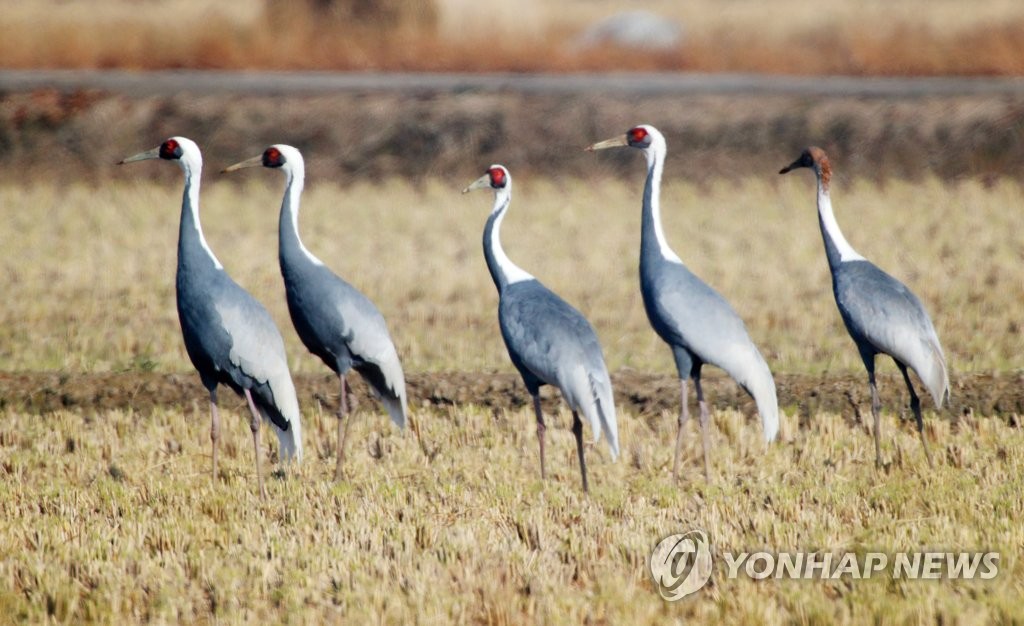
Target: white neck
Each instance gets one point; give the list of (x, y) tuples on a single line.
[(513, 273), (295, 177), (193, 173), (828, 221), (655, 156)]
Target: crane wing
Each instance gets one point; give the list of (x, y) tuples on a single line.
[(884, 313), (555, 343)]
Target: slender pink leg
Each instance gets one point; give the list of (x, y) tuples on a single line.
[(540, 434), (705, 434), (214, 429), (684, 416), (254, 425), (343, 422)]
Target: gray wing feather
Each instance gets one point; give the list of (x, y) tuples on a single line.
[(552, 340), (370, 342), (686, 311), (339, 323), (257, 349), (882, 312)]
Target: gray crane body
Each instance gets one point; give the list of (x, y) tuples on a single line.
[(697, 323), (229, 336), (549, 341), (881, 314), (333, 319), (692, 318)]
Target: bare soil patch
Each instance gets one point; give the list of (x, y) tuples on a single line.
[(642, 393)]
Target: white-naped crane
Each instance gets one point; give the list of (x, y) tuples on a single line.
[(692, 318), (229, 336), (334, 320), (881, 314), (549, 341)]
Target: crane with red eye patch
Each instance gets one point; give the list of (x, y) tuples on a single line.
[(549, 341), (335, 321), (229, 336), (697, 323)]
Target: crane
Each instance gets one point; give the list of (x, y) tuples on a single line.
[(881, 314), (335, 321), (549, 341), (229, 336), (695, 321)]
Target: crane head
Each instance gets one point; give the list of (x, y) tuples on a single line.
[(496, 177), (173, 149), (812, 157), (273, 157), (816, 159), (641, 136)]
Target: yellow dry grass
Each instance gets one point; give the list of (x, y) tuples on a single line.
[(89, 270), (789, 36), (114, 518)]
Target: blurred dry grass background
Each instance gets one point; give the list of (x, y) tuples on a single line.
[(89, 270), (373, 137), (912, 37)]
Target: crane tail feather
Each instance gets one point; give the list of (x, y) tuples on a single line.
[(281, 410), (937, 380), (396, 408), (602, 417), (760, 384), (387, 381)]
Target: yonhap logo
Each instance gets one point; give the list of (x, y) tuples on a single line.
[(681, 564)]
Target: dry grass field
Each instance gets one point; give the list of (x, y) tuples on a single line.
[(112, 516), (912, 37)]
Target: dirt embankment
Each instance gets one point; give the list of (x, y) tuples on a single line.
[(641, 393), (451, 135)]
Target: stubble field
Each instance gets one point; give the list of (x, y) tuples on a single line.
[(111, 514)]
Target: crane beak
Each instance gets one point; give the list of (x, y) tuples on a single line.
[(142, 156), (614, 142), (792, 166), (480, 183), (256, 161)]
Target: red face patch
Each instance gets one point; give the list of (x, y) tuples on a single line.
[(170, 149), (272, 158), (637, 135), (497, 177)]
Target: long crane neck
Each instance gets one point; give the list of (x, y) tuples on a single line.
[(837, 249), (653, 244), (503, 270), (193, 252), (291, 251)]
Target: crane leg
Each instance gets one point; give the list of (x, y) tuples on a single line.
[(876, 413), (577, 430), (343, 421), (705, 435), (684, 416), (915, 406), (540, 434), (254, 425), (214, 429)]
